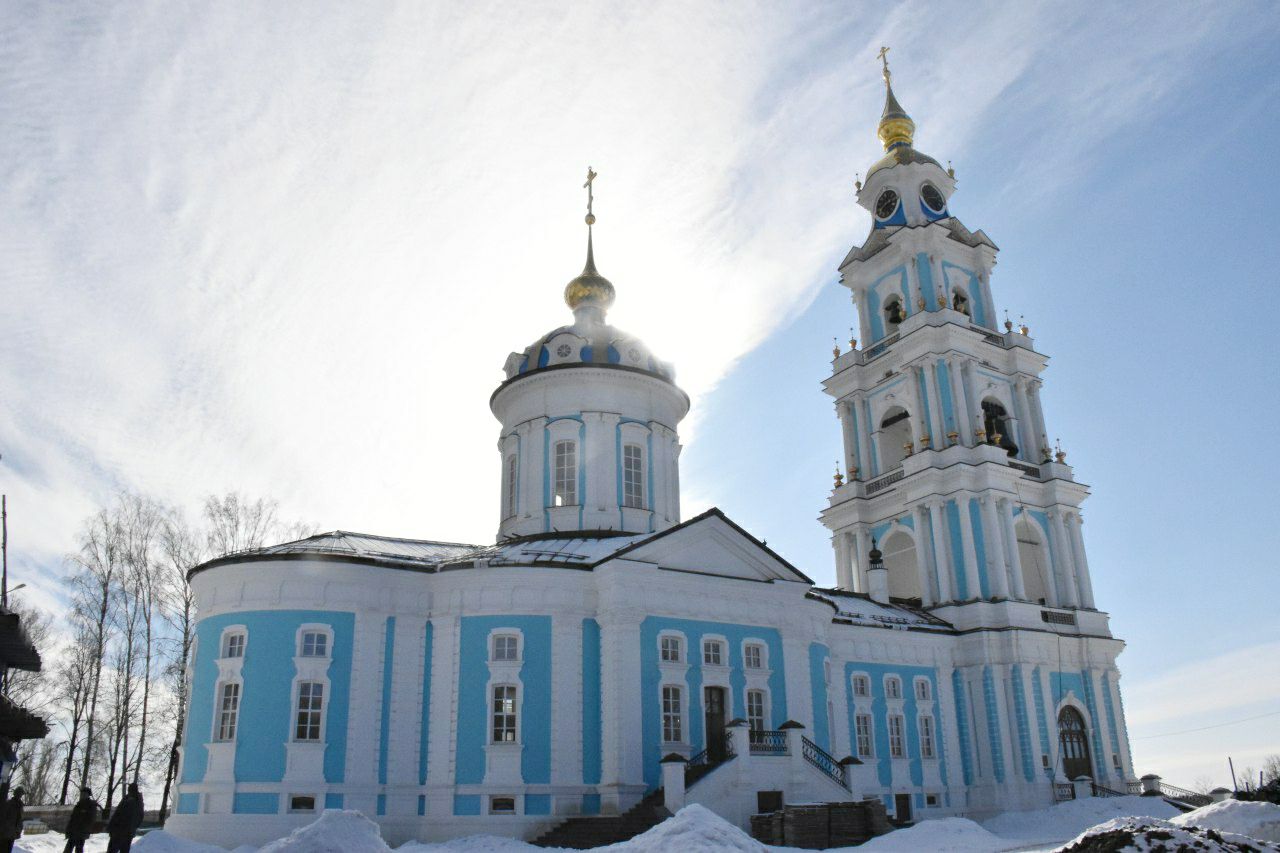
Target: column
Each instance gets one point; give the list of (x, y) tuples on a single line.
[(1006, 723), (366, 693), (937, 425), (964, 424), (566, 709), (997, 568), (1062, 559), (975, 403), (600, 504), (971, 579), (862, 548), (442, 711), (923, 427), (1082, 563), (1105, 769), (673, 476), (859, 298), (1027, 438), (1051, 722), (864, 438), (533, 447), (989, 306), (1010, 536), (620, 713), (848, 431), (1037, 413), (924, 557), (1122, 725), (941, 551), (844, 565), (405, 718)]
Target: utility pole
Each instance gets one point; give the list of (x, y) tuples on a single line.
[(4, 551)]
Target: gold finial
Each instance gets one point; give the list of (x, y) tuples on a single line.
[(839, 478), (1008, 324), (1023, 327), (1058, 453), (835, 347), (853, 342), (896, 127), (857, 181), (951, 173), (591, 176)]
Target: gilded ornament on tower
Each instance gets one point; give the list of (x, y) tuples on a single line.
[(835, 349), (910, 448), (953, 437), (980, 435), (839, 478)]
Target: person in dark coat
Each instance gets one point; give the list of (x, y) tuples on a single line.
[(81, 822), (11, 821), (125, 821)]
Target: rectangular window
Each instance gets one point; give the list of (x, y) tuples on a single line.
[(566, 457), (315, 644), (931, 800), (672, 721), (922, 690), (893, 688), (753, 656), (228, 710), (506, 647), (233, 647), (502, 805), (896, 749), (712, 653), (511, 486), (504, 713), (755, 710), (1115, 762), (633, 476), (926, 737), (310, 706), (300, 803), (861, 685), (863, 725), (671, 650)]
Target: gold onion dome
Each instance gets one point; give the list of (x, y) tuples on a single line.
[(590, 288), (896, 127)]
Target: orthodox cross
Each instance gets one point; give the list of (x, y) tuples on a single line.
[(884, 58), (591, 176)]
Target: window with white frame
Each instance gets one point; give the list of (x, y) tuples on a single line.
[(233, 645), (506, 647), (897, 747), (504, 713), (310, 709), (861, 686), (927, 749), (755, 710), (923, 691), (862, 727), (671, 650), (713, 653), (511, 486), (753, 656), (566, 473), (672, 718), (893, 687), (633, 476), (315, 644), (932, 801), (228, 710)]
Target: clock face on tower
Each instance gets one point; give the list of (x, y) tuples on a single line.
[(886, 204), (932, 198)]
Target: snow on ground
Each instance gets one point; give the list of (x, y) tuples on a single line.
[(1256, 820), (944, 835), (335, 832), (693, 829), (472, 844), (53, 842), (1149, 835), (1069, 819), (159, 841)]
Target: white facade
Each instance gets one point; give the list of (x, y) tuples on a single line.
[(447, 689)]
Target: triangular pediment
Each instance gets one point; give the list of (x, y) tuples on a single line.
[(711, 544)]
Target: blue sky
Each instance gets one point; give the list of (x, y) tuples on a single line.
[(249, 249)]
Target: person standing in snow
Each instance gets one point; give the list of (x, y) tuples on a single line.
[(81, 821), (125, 821), (11, 821)]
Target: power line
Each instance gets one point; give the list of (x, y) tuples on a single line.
[(1206, 728)]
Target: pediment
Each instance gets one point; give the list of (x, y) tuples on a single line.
[(711, 544)]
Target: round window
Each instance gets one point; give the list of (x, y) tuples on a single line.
[(932, 198), (886, 204), (563, 350)]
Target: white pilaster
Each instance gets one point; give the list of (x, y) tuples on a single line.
[(844, 565), (442, 735), (922, 558), (971, 578), (620, 713), (997, 568), (1010, 537), (1063, 559), (1082, 563), (942, 561)]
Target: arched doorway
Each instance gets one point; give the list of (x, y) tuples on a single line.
[(1074, 740), (1033, 556), (900, 564), (895, 436)]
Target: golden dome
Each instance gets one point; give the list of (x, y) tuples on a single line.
[(896, 127), (590, 288)]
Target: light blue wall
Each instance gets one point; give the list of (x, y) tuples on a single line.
[(473, 701), (694, 631), (818, 692), (1079, 684), (537, 804), (255, 804), (924, 273), (466, 804), (979, 546), (188, 804), (1037, 690), (384, 730), (962, 723), (944, 395), (1023, 723), (958, 580), (266, 704), (426, 707), (333, 801), (880, 715), (591, 726), (993, 723)]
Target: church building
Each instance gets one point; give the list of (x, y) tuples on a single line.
[(606, 652)]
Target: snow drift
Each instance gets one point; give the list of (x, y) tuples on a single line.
[(943, 835), (1069, 819), (334, 832), (1149, 835), (1256, 820)]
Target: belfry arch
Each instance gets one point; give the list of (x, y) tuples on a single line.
[(1033, 554), (895, 437), (899, 550)]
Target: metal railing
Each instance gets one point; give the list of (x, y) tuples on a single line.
[(881, 483), (992, 337), (825, 763), (880, 348), (1189, 797), (1063, 791), (1025, 468), (1104, 791), (767, 742), (701, 763)]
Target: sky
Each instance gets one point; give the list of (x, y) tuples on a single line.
[(285, 249)]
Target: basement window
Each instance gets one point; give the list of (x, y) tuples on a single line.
[(302, 803), (502, 805)]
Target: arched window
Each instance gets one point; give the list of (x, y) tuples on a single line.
[(999, 428), (894, 314), (895, 437), (960, 302), (633, 475), (511, 486), (1074, 738), (900, 563), (566, 473), (1035, 560)]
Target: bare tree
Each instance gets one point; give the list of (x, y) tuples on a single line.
[(72, 685), (182, 551), (1270, 769)]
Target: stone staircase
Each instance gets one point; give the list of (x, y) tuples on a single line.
[(583, 833)]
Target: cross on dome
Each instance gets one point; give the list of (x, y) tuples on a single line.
[(590, 291)]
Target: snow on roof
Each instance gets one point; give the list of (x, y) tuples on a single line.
[(342, 542), (855, 609), (583, 551)]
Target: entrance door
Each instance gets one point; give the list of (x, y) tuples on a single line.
[(713, 701), (902, 808), (1075, 744)]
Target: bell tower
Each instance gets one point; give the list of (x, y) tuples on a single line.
[(950, 472)]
